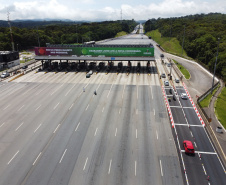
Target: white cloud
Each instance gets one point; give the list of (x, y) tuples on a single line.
[(56, 9)]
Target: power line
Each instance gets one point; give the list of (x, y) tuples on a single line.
[(10, 31)]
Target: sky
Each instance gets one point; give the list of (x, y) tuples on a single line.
[(92, 10)]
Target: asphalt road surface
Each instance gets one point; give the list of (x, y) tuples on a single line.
[(55, 130), (52, 132)]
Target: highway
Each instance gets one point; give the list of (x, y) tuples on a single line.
[(54, 133), (54, 130)]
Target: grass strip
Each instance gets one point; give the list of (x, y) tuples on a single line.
[(170, 44), (122, 33), (206, 101), (183, 70), (220, 107)]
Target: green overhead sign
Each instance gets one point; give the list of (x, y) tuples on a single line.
[(97, 51)]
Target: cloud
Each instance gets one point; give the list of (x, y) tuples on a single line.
[(40, 9)]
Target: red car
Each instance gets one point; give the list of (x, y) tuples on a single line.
[(188, 146)]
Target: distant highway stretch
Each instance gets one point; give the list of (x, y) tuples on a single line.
[(55, 130)]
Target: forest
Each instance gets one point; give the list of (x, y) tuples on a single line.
[(201, 34), (63, 33)]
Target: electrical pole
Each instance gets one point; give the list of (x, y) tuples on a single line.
[(38, 38), (121, 15), (77, 33), (10, 32), (215, 66), (183, 41)]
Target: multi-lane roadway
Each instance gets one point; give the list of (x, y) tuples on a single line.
[(55, 130)]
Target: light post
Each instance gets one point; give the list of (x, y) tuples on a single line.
[(215, 66), (183, 42), (77, 33)]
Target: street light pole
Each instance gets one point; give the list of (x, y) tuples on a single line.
[(215, 66), (183, 42)]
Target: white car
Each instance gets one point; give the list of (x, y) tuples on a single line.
[(184, 96), (177, 80), (4, 74), (166, 83)]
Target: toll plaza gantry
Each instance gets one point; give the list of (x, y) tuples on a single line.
[(77, 57)]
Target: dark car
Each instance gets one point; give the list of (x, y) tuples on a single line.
[(161, 55)]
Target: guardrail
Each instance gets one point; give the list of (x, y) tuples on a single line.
[(212, 135)]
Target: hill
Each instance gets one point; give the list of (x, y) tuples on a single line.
[(201, 33)]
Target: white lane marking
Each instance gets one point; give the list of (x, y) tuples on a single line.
[(56, 128), (157, 134), (103, 109), (37, 128), (20, 108), (119, 111), (154, 111), (36, 159), (204, 169), (109, 169), (19, 126), (63, 155), (96, 132), (87, 107), (98, 86), (151, 93), (13, 157), (115, 131), (135, 168), (182, 124), (71, 106), (136, 133), (161, 167), (2, 124), (136, 111), (200, 152), (56, 90), (123, 91), (39, 92), (38, 107), (195, 144), (109, 90), (137, 92), (85, 164), (70, 90), (56, 106), (191, 134), (6, 107), (77, 126)]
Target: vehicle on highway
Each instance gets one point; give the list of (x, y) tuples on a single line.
[(188, 147), (24, 67), (177, 80), (88, 75), (168, 64), (90, 72), (161, 55), (163, 75), (184, 96), (166, 83), (4, 74)]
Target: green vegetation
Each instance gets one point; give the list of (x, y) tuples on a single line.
[(27, 38), (206, 101), (200, 33), (170, 44), (122, 33), (220, 108), (183, 70)]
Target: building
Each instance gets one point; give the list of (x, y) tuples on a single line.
[(9, 59)]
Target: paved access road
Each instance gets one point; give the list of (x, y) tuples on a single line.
[(54, 133), (205, 166)]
